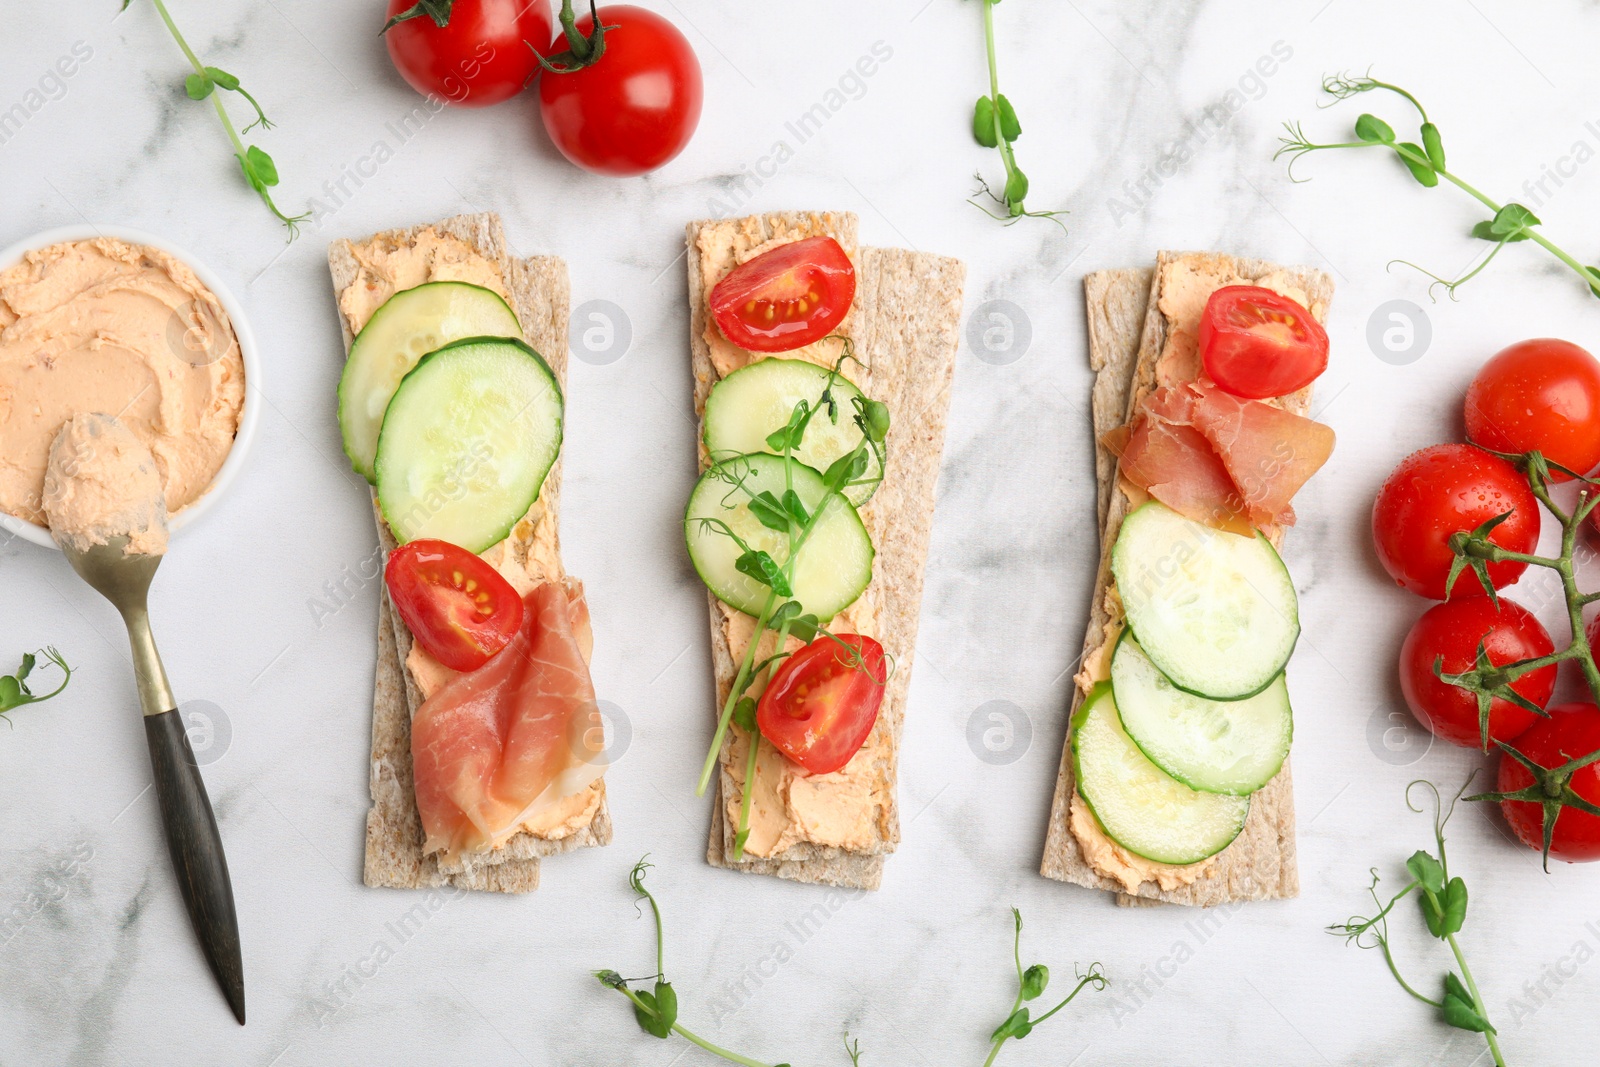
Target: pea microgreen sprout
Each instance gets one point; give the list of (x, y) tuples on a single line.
[(1424, 159), (1031, 982), (787, 514), (259, 169), (656, 1010), (1443, 900), (995, 125), (14, 691)]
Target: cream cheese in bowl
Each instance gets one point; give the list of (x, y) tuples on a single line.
[(113, 322)]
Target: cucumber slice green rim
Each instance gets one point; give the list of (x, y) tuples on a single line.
[(406, 327), (1216, 612), (1233, 747), (1139, 806), (467, 442), (834, 564), (748, 405)]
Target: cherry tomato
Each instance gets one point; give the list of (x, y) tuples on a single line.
[(1542, 394), (636, 107), (483, 55), (458, 607), (1442, 489), (1452, 631), (1571, 732), (820, 708), (1257, 344), (786, 298)]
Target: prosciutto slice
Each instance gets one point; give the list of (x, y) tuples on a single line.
[(1229, 463), (492, 747)]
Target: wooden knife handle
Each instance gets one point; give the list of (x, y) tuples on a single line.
[(196, 850)]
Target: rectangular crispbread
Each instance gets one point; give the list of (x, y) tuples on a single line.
[(1127, 333), (540, 297), (906, 329)]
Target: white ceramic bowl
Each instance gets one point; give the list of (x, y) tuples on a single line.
[(249, 416)]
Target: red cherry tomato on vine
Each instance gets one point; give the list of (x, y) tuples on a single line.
[(1571, 732), (1438, 491), (820, 707), (786, 298), (459, 608), (636, 106), (481, 56), (1257, 344), (1542, 394), (1452, 631)]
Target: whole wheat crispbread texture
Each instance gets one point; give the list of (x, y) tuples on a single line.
[(1127, 333), (906, 330), (539, 295)]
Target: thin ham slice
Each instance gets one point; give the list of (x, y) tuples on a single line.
[(492, 747), (1229, 463)]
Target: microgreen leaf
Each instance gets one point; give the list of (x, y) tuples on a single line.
[(1451, 909), (1373, 130), (744, 715), (875, 420), (1426, 870), (805, 628), (222, 79), (198, 86), (1509, 224), (14, 691), (261, 166), (845, 469), (983, 123), (769, 511), (1433, 145), (1420, 169), (1010, 127), (760, 566), (1017, 1025), (795, 507), (1034, 979), (666, 1007), (1458, 1007), (644, 1010)]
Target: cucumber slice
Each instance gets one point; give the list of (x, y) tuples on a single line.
[(1233, 746), (1141, 808), (835, 563), (1216, 612), (748, 405), (410, 324), (468, 439)]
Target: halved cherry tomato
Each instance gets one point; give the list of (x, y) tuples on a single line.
[(820, 708), (457, 606), (1541, 394), (1257, 344), (786, 298), (1449, 634), (1438, 491)]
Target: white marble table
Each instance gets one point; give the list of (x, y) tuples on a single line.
[(104, 968)]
